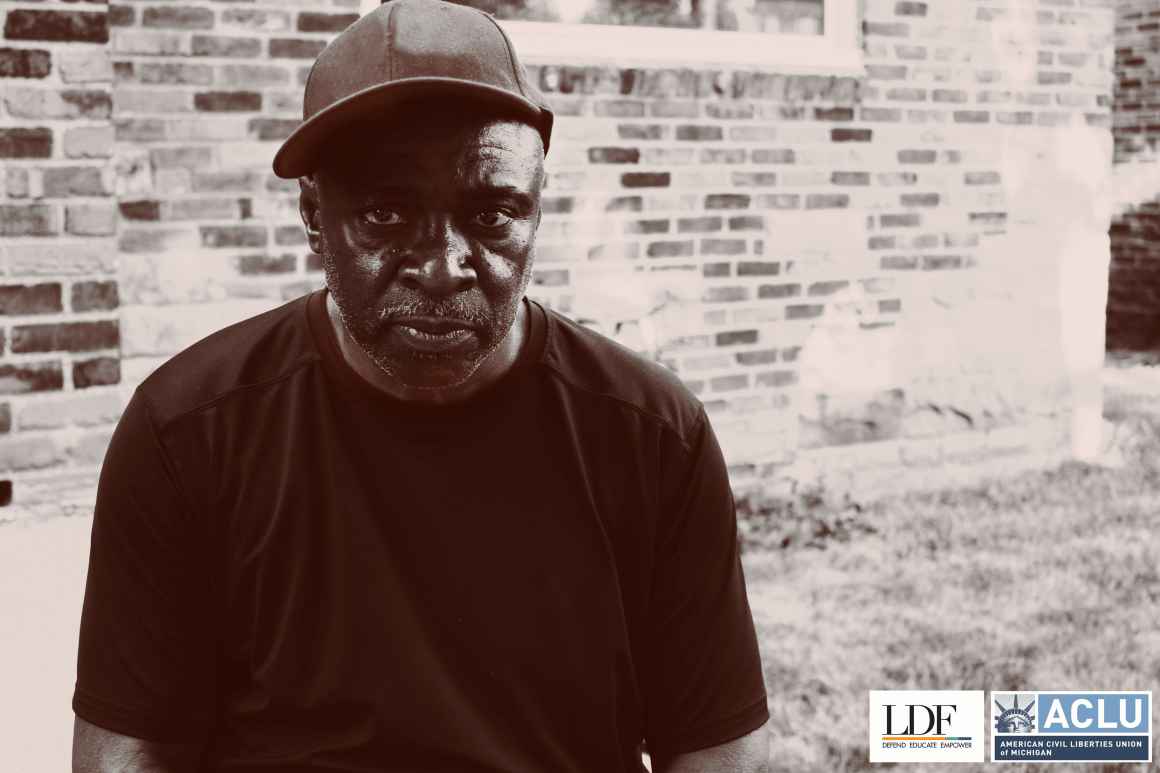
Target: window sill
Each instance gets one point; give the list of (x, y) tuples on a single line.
[(622, 46)]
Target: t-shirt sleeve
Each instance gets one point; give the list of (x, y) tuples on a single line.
[(703, 678), (145, 663)]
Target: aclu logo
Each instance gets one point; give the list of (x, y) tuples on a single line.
[(1072, 726), (926, 726)]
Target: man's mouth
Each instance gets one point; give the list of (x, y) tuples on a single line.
[(434, 334)]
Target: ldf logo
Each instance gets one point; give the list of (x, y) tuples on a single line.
[(926, 726), (934, 718)]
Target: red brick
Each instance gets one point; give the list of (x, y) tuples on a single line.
[(5, 427), (843, 134), (75, 26), (227, 101), (94, 296), (25, 143), (833, 114), (66, 337), (26, 377), (613, 155), (145, 209), (99, 371), (30, 299), (325, 22), (645, 179), (24, 63)]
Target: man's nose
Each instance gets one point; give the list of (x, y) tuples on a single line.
[(440, 262)]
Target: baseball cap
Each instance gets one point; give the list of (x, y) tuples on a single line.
[(402, 50)]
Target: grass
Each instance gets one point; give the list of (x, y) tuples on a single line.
[(1048, 580)]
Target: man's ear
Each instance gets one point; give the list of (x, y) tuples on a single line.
[(309, 212)]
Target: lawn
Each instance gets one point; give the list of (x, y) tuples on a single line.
[(1048, 580)]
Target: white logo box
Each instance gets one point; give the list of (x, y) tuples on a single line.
[(926, 726)]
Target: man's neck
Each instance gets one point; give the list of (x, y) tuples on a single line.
[(491, 370)]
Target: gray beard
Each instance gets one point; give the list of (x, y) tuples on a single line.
[(387, 363)]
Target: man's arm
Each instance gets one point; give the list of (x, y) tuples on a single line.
[(747, 754), (97, 750)]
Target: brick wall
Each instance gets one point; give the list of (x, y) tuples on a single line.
[(1134, 292), (858, 275), (59, 323)]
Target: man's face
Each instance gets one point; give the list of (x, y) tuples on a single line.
[(426, 227)]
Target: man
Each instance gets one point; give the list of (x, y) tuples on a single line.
[(416, 522)]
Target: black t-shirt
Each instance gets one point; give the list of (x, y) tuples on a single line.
[(314, 576)]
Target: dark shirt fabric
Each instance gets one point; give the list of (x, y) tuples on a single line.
[(314, 576)]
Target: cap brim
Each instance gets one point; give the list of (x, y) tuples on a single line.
[(301, 152)]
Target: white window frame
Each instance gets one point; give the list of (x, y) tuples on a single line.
[(835, 52)]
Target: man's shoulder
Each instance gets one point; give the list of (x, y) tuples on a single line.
[(260, 350), (597, 366)]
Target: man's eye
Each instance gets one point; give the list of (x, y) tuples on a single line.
[(493, 218), (382, 216)]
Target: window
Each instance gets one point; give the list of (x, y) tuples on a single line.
[(806, 36)]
